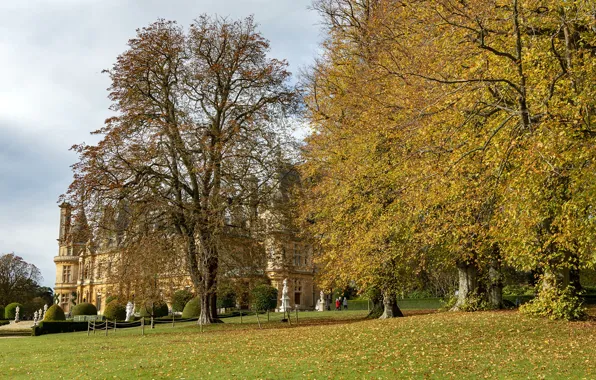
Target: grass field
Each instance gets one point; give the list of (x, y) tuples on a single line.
[(323, 345)]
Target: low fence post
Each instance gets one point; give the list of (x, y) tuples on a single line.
[(143, 326), (94, 327), (258, 320), (240, 316), (152, 326), (115, 325), (173, 319), (106, 327), (88, 327), (296, 315)]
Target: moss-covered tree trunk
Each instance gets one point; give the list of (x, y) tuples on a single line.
[(495, 280), (468, 283), (390, 308)]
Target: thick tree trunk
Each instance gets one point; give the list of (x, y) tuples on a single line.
[(468, 283), (390, 308), (495, 280), (209, 296)]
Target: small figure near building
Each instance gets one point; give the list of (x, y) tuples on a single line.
[(345, 303)]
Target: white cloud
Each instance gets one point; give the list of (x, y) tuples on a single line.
[(53, 93)]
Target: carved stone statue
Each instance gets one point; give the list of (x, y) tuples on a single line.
[(35, 316), (321, 302), (16, 314), (130, 310), (45, 309), (41, 314), (285, 299)]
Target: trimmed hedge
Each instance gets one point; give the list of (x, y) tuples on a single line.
[(157, 310), (192, 308), (263, 297), (56, 327), (2, 323), (10, 310), (55, 313), (84, 308), (1, 312), (180, 299), (115, 310)]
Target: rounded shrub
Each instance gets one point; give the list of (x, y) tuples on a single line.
[(192, 308), (226, 297), (115, 310), (84, 308), (11, 309), (155, 310), (180, 298), (55, 313), (556, 304), (263, 297)]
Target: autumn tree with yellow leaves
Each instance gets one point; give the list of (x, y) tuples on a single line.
[(452, 133)]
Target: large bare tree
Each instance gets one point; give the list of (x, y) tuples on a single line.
[(18, 279), (198, 130)]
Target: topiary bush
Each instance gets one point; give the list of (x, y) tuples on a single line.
[(226, 297), (556, 304), (84, 308), (10, 310), (155, 310), (192, 309), (55, 313), (180, 299), (115, 310), (263, 297)]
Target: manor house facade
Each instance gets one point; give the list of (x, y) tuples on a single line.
[(83, 267)]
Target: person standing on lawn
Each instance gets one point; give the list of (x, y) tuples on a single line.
[(337, 304), (345, 303)]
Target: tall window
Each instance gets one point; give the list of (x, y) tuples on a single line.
[(297, 255), (298, 292), (66, 273), (65, 300)]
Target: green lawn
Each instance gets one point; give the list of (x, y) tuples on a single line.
[(323, 345)]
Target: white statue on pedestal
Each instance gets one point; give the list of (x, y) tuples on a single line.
[(45, 309), (321, 302), (130, 310), (285, 299), (35, 319), (41, 314), (16, 314)]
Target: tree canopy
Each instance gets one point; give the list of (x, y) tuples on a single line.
[(452, 134), (198, 131)]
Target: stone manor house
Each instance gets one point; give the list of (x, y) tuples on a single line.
[(83, 267)]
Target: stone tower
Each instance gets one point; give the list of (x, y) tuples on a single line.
[(66, 261)]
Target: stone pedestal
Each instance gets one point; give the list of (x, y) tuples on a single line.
[(285, 304)]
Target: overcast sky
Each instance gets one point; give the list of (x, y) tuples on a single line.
[(52, 92)]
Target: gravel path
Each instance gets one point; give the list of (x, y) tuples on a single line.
[(22, 325)]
